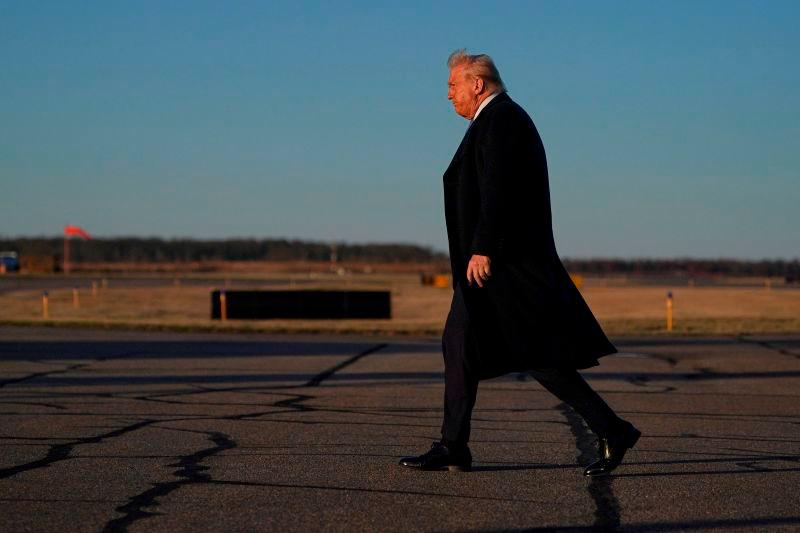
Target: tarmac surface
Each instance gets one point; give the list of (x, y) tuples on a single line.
[(105, 430)]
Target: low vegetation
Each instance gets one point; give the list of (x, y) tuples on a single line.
[(622, 307)]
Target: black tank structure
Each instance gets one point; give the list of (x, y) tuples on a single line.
[(313, 304)]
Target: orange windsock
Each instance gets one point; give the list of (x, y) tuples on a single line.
[(75, 230)]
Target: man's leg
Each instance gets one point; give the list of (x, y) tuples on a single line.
[(569, 386), (616, 436), (460, 390), (460, 383)]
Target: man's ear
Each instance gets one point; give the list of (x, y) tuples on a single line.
[(479, 85)]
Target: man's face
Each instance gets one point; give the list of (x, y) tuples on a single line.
[(462, 91)]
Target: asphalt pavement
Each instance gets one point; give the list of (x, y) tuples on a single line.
[(139, 431)]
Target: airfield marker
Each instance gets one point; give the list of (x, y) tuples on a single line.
[(45, 305), (223, 306), (76, 302), (65, 266), (669, 311), (70, 231)]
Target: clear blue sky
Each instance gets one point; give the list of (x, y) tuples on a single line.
[(671, 129)]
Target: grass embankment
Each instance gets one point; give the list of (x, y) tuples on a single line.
[(417, 310)]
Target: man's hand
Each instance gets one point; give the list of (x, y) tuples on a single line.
[(478, 270)]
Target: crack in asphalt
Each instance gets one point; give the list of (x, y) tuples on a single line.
[(60, 452), (769, 346), (607, 514), (322, 376), (37, 404), (190, 471), (370, 490), (36, 375)]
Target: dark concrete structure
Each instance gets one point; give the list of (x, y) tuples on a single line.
[(302, 304)]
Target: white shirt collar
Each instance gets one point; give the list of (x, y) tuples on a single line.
[(484, 104)]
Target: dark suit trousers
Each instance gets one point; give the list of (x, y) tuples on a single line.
[(461, 383)]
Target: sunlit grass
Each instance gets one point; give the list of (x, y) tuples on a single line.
[(418, 310)]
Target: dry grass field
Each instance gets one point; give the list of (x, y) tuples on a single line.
[(623, 309)]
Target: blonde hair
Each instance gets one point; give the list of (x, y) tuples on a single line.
[(479, 66)]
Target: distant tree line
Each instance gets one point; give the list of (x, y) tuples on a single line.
[(688, 267), (157, 250)]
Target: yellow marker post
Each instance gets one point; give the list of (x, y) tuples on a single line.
[(76, 302), (441, 281), (45, 305), (223, 306), (94, 289), (669, 311)]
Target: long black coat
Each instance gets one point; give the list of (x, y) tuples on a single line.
[(497, 203)]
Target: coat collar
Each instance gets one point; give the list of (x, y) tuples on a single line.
[(501, 97)]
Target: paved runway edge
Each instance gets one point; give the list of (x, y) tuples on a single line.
[(122, 430)]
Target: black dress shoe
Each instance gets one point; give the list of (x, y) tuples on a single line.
[(612, 450), (441, 457)]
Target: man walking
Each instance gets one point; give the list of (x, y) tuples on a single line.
[(514, 308)]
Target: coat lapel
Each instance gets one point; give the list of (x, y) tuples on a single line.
[(459, 152), (462, 147)]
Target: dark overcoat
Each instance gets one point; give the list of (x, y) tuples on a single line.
[(529, 314)]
